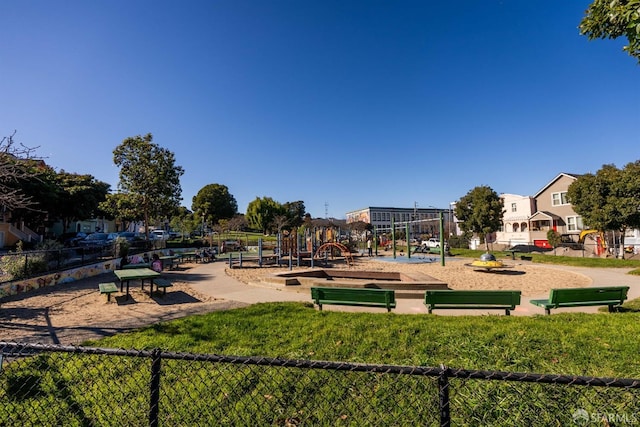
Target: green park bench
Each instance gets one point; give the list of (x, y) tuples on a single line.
[(108, 288), (354, 296), (161, 283), (472, 299), (612, 296)]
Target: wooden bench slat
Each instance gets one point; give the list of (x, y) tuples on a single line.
[(354, 296), (611, 296), (472, 299)]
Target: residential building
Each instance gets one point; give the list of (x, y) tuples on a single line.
[(420, 220), (553, 211), (517, 211)]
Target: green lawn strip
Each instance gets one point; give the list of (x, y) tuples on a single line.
[(568, 343), (549, 258)]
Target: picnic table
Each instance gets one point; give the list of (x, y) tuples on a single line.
[(142, 274), (138, 265), (170, 260), (184, 256)]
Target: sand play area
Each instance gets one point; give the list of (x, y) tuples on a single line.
[(76, 312)]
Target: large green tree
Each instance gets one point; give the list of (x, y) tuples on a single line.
[(124, 208), (612, 19), (294, 212), (262, 212), (150, 173), (214, 202), (79, 197), (608, 200), (480, 211)]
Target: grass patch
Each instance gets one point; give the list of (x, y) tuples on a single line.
[(200, 392), (568, 343), (549, 258)]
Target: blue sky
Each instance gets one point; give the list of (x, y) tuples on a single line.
[(340, 104)]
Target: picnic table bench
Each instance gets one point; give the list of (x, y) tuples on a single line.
[(612, 296), (108, 288), (161, 283), (473, 299), (354, 296)]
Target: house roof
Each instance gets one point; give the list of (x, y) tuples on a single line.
[(560, 175), (543, 215)]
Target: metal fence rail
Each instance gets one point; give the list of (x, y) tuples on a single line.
[(28, 264), (63, 385)]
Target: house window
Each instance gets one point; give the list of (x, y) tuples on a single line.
[(574, 223), (558, 199), (515, 227), (514, 207), (523, 226)]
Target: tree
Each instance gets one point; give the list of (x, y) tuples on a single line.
[(184, 222), (554, 239), (295, 213), (79, 197), (608, 200), (123, 207), (480, 211), (13, 168), (41, 187), (149, 172), (261, 213), (612, 19), (214, 202)]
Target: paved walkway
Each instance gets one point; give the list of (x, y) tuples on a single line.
[(211, 279)]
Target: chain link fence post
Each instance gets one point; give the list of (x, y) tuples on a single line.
[(443, 395), (154, 401)]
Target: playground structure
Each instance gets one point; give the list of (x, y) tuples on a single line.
[(601, 244), (381, 234), (318, 245), (488, 262)]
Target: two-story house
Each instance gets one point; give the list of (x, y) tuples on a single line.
[(527, 219), (515, 220), (554, 212)]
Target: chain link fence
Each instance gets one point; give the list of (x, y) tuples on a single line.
[(84, 386)]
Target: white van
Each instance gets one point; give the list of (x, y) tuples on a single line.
[(160, 234)]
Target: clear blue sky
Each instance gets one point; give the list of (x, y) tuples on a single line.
[(340, 104)]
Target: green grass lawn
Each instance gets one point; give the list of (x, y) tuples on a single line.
[(89, 390), (581, 344)]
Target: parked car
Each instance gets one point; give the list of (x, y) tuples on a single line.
[(567, 241), (95, 240), (160, 234), (434, 242), (431, 243), (71, 240), (527, 248)]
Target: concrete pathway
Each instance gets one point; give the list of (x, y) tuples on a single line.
[(211, 279)]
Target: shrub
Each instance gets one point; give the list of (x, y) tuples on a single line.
[(20, 265), (458, 242)]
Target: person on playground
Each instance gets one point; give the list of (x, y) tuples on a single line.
[(156, 265), (369, 247)]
